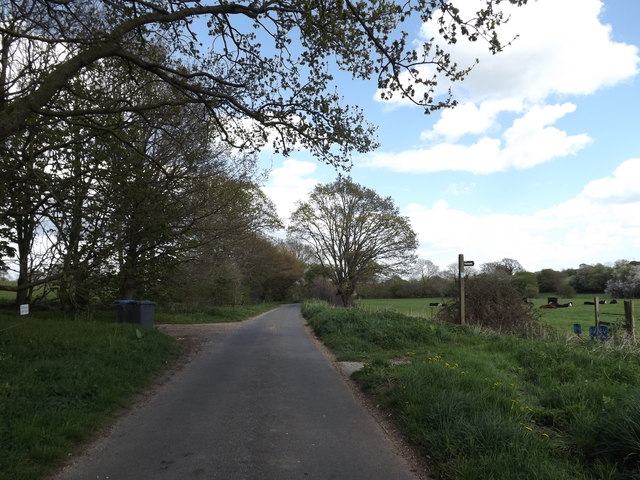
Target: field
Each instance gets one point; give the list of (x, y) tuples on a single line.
[(562, 319)]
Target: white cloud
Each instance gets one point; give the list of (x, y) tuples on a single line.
[(530, 141), (460, 188), (559, 47), (468, 118), (584, 229), (289, 184), (621, 187)]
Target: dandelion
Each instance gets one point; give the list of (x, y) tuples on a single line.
[(529, 428), (545, 435)]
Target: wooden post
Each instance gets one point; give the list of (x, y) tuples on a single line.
[(461, 287), (628, 318), (596, 301)]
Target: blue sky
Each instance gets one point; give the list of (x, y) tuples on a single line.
[(540, 162)]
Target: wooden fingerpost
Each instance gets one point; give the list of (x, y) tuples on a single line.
[(461, 275), (461, 287), (628, 318)]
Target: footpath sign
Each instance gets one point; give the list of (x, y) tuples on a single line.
[(24, 309)]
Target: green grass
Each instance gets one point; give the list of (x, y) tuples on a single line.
[(60, 380), (7, 297), (482, 405), (180, 313), (415, 307)]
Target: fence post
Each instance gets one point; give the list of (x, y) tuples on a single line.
[(629, 322), (596, 302)]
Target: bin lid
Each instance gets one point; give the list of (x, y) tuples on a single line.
[(139, 302)]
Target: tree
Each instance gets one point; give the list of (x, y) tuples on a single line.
[(259, 67), (591, 278), (526, 283), (424, 271), (550, 281), (354, 234), (506, 266), (625, 281)]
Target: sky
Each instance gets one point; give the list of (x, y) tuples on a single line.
[(540, 162)]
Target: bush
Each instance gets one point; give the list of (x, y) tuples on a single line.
[(492, 301)]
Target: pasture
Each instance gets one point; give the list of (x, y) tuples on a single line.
[(561, 319)]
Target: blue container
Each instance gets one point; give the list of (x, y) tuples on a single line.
[(140, 312)]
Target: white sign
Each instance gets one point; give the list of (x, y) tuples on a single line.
[(24, 309)]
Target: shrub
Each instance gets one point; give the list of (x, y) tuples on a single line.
[(493, 302)]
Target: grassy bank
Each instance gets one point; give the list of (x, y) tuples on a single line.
[(63, 375), (483, 405)]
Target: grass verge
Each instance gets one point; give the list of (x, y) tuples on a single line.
[(62, 380), (180, 313), (482, 405)]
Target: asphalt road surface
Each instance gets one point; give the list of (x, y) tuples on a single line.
[(259, 402)]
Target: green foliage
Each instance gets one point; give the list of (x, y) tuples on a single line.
[(493, 301), (591, 278), (60, 380), (484, 405), (354, 234)]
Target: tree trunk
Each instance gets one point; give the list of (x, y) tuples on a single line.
[(25, 227)]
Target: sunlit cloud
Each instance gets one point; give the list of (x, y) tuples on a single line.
[(531, 140), (519, 82), (289, 184), (583, 229)]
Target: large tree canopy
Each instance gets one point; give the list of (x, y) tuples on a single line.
[(354, 234), (260, 67)]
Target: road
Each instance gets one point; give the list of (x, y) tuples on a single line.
[(259, 402)]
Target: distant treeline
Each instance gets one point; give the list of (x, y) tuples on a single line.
[(621, 280)]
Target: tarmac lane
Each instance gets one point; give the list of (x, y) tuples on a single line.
[(260, 402)]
